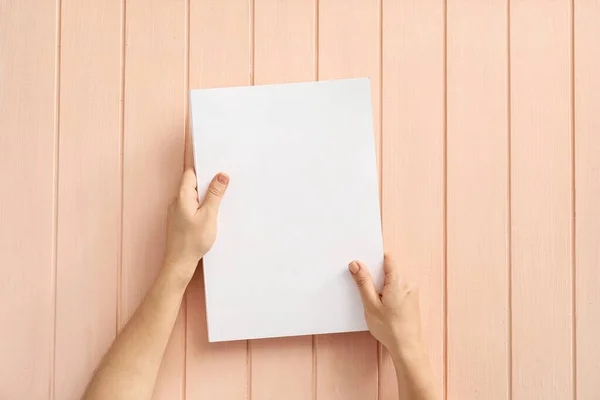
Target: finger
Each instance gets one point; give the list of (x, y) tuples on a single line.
[(365, 284), (188, 196), (188, 182), (390, 269), (215, 191), (188, 160)]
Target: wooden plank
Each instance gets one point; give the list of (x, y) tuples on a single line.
[(413, 164), (349, 42), (477, 200), (284, 41), (346, 366), (89, 190), (220, 55), (284, 51), (154, 128), (587, 194), (282, 368), (541, 199), (27, 196)]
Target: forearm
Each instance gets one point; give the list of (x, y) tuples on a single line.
[(129, 369), (413, 372)]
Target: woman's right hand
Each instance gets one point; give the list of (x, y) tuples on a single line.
[(393, 316)]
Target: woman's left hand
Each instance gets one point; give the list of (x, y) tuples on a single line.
[(192, 227)]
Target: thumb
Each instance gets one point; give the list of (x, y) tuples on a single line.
[(215, 191), (365, 284)]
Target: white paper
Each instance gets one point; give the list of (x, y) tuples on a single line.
[(302, 203)]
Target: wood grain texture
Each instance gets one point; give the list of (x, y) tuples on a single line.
[(220, 55), (477, 200), (284, 41), (346, 366), (92, 147), (89, 190), (587, 195), (541, 199), (284, 51), (154, 128), (220, 43), (413, 164), (282, 368), (27, 196), (349, 46)]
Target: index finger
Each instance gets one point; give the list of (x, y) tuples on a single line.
[(188, 181), (391, 268)]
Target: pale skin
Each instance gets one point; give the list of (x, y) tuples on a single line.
[(129, 369), (394, 319)]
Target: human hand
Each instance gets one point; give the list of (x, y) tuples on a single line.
[(192, 227), (393, 316)]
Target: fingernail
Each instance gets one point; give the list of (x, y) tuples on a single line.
[(222, 178), (353, 267)]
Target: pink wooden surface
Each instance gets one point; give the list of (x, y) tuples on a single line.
[(477, 200), (89, 181), (587, 199), (28, 183), (541, 200), (487, 119)]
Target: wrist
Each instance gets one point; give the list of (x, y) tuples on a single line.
[(413, 368), (177, 274), (407, 351)]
